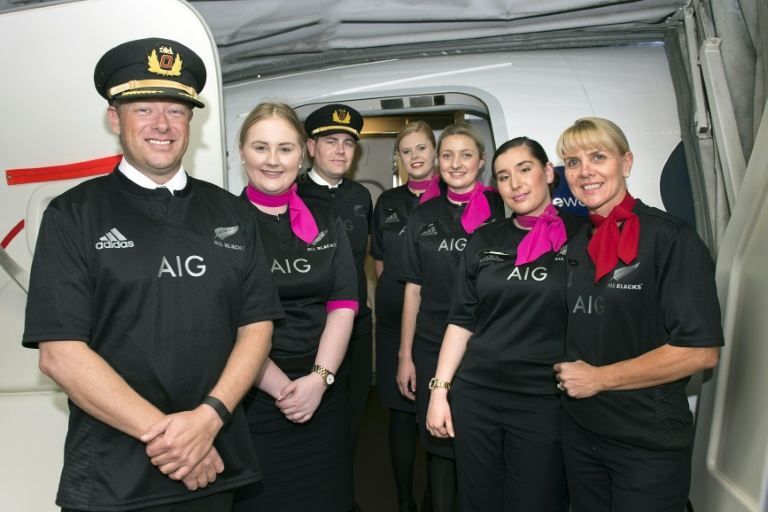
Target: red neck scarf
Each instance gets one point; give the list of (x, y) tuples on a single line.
[(607, 245), (477, 210), (429, 187), (303, 224), (547, 233)]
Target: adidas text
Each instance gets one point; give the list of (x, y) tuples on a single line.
[(113, 239)]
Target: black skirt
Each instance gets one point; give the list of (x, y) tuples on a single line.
[(303, 465), (387, 346)]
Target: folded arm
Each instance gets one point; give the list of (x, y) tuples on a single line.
[(661, 365)]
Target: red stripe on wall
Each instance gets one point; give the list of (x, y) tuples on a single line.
[(12, 234), (62, 172)]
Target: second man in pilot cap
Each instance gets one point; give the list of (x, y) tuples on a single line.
[(333, 132)]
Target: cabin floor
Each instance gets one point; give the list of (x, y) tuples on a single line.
[(374, 484)]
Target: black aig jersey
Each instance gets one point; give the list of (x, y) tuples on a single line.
[(433, 245), (517, 314), (667, 295), (307, 277), (157, 285), (387, 235), (352, 203)]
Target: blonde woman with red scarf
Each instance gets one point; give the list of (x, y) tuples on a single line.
[(435, 236), (506, 329), (643, 317)]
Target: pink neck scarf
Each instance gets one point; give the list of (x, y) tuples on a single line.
[(547, 233), (430, 187), (303, 224), (477, 210)]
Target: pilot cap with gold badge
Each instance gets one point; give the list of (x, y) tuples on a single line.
[(334, 118), (150, 68)]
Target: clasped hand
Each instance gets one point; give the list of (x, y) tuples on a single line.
[(300, 398), (181, 446)]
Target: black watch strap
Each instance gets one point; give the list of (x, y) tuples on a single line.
[(220, 408)]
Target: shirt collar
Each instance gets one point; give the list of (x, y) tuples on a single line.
[(314, 176), (176, 183)]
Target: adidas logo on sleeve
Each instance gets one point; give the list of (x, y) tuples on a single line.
[(113, 240)]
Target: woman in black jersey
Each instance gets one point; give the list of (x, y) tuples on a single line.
[(643, 317), (415, 155), (435, 236), (299, 418), (506, 330)]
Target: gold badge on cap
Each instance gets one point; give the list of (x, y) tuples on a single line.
[(341, 116), (167, 64)]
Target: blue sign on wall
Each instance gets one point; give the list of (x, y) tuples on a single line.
[(562, 197)]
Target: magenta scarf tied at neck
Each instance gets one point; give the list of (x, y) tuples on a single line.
[(430, 187), (303, 224), (547, 233), (477, 210)]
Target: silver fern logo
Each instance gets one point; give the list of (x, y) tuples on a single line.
[(560, 256), (226, 232), (497, 256), (621, 274), (320, 236), (321, 242), (223, 233)]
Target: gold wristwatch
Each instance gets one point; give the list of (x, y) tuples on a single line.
[(435, 383), (328, 377)]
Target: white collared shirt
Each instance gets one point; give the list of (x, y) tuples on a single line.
[(314, 176), (178, 182)]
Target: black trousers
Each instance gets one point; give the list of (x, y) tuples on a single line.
[(221, 502), (508, 450), (605, 475)]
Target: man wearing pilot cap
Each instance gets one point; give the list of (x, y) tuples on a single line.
[(151, 305), (333, 132)]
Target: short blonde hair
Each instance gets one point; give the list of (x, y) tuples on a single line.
[(592, 133)]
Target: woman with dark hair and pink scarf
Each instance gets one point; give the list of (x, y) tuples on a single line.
[(506, 330)]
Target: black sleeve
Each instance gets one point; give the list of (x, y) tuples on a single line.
[(687, 291), (345, 275), (60, 298), (377, 237), (370, 212), (409, 263)]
